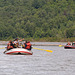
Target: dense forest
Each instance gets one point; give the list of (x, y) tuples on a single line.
[(48, 20)]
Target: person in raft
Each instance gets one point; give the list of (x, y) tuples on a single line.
[(68, 43), (9, 46), (24, 44), (73, 43), (27, 45), (16, 42)]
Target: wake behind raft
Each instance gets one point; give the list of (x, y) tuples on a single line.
[(19, 51)]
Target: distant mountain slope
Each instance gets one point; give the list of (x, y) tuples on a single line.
[(37, 18)]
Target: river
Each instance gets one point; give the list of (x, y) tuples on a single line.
[(60, 62)]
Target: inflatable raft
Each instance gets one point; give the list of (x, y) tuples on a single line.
[(19, 51), (69, 47)]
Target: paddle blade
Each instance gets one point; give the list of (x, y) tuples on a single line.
[(2, 48), (60, 45), (49, 50)]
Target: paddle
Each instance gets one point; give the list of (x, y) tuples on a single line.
[(43, 49)]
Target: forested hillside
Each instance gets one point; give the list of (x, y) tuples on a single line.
[(37, 19)]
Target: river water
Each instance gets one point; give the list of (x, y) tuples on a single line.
[(60, 62)]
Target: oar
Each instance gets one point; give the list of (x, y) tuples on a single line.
[(43, 49)]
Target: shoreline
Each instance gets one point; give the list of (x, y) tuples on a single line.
[(35, 43), (44, 39)]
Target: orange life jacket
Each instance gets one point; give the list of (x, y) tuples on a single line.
[(68, 44), (28, 46), (9, 46)]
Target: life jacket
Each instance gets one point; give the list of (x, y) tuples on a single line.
[(68, 44), (28, 46), (9, 46)]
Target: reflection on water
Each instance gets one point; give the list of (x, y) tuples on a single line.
[(60, 62)]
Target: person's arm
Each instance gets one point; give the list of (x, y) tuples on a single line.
[(21, 39)]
